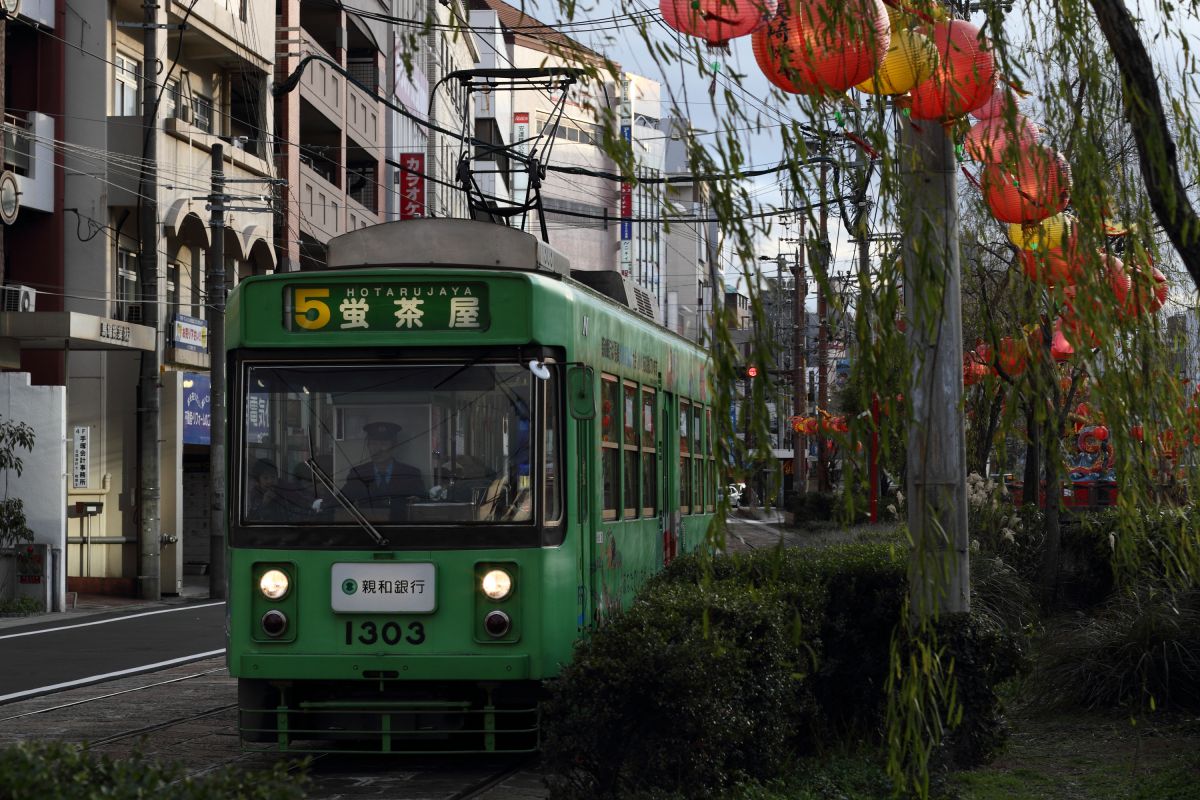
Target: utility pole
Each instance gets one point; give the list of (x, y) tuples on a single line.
[(217, 290), (823, 482), (937, 497), (799, 334), (150, 378), (3, 56)]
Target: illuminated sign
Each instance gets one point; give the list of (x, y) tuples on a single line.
[(387, 307)]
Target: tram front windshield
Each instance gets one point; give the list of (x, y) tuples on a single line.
[(405, 444)]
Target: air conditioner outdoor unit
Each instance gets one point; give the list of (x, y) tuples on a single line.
[(18, 298)]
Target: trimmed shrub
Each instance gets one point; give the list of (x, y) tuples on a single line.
[(37, 770), (658, 701)]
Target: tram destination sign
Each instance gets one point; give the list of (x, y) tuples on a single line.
[(387, 306)]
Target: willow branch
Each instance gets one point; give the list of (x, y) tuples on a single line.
[(1156, 148)]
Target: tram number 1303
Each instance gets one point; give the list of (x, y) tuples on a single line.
[(390, 633)]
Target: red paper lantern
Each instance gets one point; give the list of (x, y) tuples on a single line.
[(1012, 357), (998, 139), (1056, 266), (1138, 432), (717, 21), (1060, 348), (965, 76), (997, 105), (1038, 187), (1118, 277), (1147, 293), (822, 46), (973, 369), (984, 351)]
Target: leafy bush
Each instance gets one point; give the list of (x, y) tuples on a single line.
[(1141, 649), (1000, 596), (20, 605), (657, 701), (37, 770), (811, 506), (984, 656)]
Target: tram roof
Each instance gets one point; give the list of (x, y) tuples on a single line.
[(445, 243)]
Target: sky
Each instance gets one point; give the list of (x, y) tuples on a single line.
[(691, 89)]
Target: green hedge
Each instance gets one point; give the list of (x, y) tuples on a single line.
[(727, 672), (40, 770)]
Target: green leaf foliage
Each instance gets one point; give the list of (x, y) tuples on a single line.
[(37, 770)]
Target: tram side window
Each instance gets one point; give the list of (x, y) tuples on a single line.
[(629, 416), (697, 459), (649, 455), (609, 444), (710, 485), (551, 467), (685, 457)]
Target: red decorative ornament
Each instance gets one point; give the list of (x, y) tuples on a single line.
[(1038, 187), (1145, 295), (1119, 279), (964, 79), (984, 351), (998, 139), (1056, 266), (1138, 432), (1012, 357), (997, 105), (973, 369), (717, 21), (1060, 348), (822, 46)]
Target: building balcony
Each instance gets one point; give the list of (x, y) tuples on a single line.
[(29, 153), (326, 211), (322, 85)]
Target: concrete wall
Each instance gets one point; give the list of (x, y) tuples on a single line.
[(43, 482)]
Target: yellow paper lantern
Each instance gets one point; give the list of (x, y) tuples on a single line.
[(1046, 235), (911, 59)]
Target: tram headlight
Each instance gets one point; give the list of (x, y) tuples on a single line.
[(273, 584), (497, 584)]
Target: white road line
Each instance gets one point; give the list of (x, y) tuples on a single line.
[(4, 698), (115, 619)]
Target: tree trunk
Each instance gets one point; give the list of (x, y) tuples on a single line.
[(1032, 457), (1156, 148)]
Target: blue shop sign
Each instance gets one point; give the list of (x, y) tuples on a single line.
[(197, 408)]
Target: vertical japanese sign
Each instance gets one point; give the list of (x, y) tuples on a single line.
[(197, 411), (625, 115), (412, 185), (520, 177), (81, 458)]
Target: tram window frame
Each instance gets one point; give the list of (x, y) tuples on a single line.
[(711, 484), (697, 458), (610, 458), (685, 456), (551, 456), (631, 430), (649, 451)]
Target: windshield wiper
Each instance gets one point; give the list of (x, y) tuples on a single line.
[(351, 509)]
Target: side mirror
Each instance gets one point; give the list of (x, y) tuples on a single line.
[(581, 396)]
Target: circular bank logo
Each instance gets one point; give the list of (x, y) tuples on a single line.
[(349, 586)]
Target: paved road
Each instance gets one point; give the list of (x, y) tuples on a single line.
[(60, 651)]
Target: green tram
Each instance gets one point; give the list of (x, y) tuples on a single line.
[(449, 460)]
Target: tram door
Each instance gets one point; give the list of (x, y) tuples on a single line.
[(584, 447)]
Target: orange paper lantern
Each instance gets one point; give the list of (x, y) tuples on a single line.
[(1000, 140), (717, 21), (1038, 187), (823, 46), (965, 76)]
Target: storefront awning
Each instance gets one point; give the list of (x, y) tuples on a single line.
[(70, 330)]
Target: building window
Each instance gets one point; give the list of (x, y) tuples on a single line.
[(629, 416), (173, 288), (649, 454), (125, 284), (127, 77), (203, 113), (685, 457)]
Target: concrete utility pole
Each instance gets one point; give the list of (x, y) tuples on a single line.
[(3, 56), (823, 482), (937, 495), (150, 379), (799, 334), (217, 290)]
